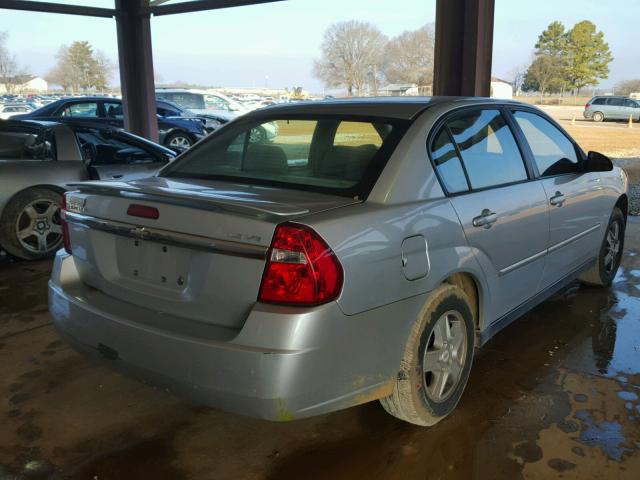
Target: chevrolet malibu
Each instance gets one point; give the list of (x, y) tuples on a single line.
[(362, 253)]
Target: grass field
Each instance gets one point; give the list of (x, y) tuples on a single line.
[(614, 139), (569, 101)]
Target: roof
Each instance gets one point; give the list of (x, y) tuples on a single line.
[(387, 107), (496, 79)]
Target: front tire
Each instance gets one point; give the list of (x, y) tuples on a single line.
[(610, 255), (598, 117), (258, 135), (437, 360), (179, 141), (30, 226)]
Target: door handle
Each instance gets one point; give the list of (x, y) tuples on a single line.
[(486, 219), (557, 200), (115, 177)]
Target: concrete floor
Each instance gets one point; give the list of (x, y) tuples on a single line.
[(554, 395)]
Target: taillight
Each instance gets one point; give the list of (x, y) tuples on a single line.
[(143, 211), (587, 106), (301, 269), (65, 226)]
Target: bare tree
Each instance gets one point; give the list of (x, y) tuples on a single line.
[(102, 71), (517, 76), (351, 51), (8, 64), (627, 87), (408, 58)]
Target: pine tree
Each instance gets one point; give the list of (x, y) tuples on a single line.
[(588, 55)]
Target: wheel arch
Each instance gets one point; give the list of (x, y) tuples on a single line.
[(623, 204), (54, 188), (472, 288)]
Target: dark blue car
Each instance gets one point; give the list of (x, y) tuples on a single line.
[(175, 132)]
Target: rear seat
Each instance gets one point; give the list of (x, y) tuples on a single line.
[(347, 162), (265, 158)]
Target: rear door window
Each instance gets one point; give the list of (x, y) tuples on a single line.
[(553, 152), (335, 155), (615, 102), (489, 151)]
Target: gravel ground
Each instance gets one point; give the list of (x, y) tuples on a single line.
[(634, 199), (632, 167)]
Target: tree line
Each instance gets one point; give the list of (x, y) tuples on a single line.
[(357, 56), (567, 60)]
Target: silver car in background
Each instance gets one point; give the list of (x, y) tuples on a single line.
[(363, 253), (610, 107), (38, 159)]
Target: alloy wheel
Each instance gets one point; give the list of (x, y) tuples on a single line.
[(612, 247), (445, 356), (38, 227), (180, 142)]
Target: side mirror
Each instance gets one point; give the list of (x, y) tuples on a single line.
[(597, 162)]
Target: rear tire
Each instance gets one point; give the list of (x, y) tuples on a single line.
[(30, 225), (608, 262), (437, 360), (598, 117)]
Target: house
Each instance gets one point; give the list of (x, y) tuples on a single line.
[(25, 84), (31, 84), (501, 89), (399, 89)]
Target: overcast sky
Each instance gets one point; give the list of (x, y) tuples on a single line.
[(275, 44)]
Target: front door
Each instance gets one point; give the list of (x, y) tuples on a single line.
[(504, 214), (576, 204)]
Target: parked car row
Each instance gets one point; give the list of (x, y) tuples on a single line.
[(177, 130), (363, 253)]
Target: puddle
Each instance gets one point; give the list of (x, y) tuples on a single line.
[(605, 435)]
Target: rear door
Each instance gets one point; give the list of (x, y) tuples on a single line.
[(504, 214), (616, 109), (577, 206)]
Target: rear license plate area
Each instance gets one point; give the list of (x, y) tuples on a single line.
[(157, 264)]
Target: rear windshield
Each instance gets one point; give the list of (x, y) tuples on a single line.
[(337, 155), (186, 100)]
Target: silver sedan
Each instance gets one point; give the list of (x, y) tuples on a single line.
[(365, 252)]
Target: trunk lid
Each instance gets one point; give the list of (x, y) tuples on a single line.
[(201, 259)]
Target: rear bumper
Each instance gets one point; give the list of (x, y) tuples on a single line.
[(283, 364)]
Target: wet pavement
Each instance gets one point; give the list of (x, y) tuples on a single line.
[(555, 395)]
